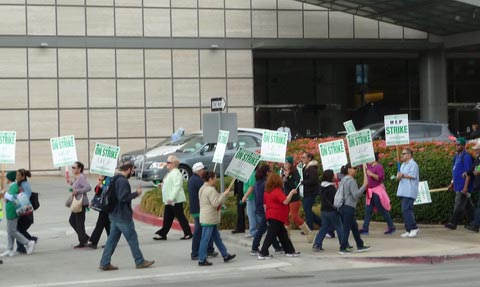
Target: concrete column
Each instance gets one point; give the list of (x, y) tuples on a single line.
[(433, 86)]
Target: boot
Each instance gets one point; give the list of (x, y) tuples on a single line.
[(304, 227)]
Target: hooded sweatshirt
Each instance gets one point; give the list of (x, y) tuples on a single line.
[(351, 191), (327, 195), (310, 179)]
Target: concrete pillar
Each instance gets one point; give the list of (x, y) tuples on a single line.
[(433, 86)]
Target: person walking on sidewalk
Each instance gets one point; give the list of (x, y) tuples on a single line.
[(407, 192), (12, 218), (210, 215), (276, 213), (121, 219), (461, 184), (291, 179), (310, 189), (377, 197), (475, 176), (173, 197), (102, 221), (259, 190), (249, 199), (194, 184), (348, 189), (329, 212), (238, 191), (80, 187), (25, 221)]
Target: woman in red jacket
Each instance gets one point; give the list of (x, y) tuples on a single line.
[(276, 212)]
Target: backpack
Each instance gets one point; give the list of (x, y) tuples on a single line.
[(339, 199), (108, 198)]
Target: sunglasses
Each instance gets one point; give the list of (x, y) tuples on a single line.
[(404, 153), (74, 167)]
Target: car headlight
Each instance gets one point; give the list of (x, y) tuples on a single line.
[(159, 165)]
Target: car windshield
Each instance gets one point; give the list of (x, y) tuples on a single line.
[(191, 144)]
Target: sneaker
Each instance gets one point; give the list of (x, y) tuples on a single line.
[(294, 254), (279, 251), (30, 246), (145, 264), (450, 226), (405, 235), (316, 248), (364, 248), (204, 263), (264, 257), (81, 245), (413, 233), (331, 234), (8, 253), (254, 253), (212, 254), (472, 228), (229, 258), (344, 252), (108, 267), (350, 247), (390, 231), (249, 236), (363, 231), (194, 258), (92, 246)]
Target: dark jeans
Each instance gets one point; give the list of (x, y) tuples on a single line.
[(276, 229), (23, 224), (77, 221), (330, 219), (103, 222), (463, 207), (117, 228), (407, 213), (310, 216), (240, 227), (375, 202), (347, 213), (197, 237), (171, 212), (261, 229), (476, 218)]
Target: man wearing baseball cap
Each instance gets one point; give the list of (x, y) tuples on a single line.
[(475, 174), (194, 184), (461, 184)]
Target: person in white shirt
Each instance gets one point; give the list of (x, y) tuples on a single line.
[(285, 129)]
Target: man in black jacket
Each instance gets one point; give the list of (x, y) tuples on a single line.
[(310, 189), (121, 218), (475, 174)]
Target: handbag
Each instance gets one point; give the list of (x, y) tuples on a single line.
[(34, 200), (76, 205), (96, 203), (23, 206)]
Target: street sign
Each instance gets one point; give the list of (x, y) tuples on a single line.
[(217, 104)]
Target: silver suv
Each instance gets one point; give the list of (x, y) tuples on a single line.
[(420, 131)]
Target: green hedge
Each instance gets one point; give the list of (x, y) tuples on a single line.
[(434, 160)]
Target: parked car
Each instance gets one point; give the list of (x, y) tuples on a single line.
[(420, 131), (166, 146), (193, 150)]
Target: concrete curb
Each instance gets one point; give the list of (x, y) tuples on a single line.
[(154, 220), (421, 259)]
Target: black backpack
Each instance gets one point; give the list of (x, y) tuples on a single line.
[(108, 197)]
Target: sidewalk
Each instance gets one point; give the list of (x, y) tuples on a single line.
[(434, 244)]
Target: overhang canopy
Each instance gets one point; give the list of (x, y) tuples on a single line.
[(440, 17)]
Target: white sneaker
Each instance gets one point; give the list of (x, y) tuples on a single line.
[(8, 253), (30, 246), (405, 235), (413, 233), (328, 235), (249, 235), (294, 254), (264, 257)]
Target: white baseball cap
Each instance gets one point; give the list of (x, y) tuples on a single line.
[(198, 166)]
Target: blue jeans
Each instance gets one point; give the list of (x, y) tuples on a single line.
[(375, 202), (330, 218), (252, 220), (117, 228), (407, 213), (197, 236), (310, 216), (347, 213), (210, 233), (262, 228)]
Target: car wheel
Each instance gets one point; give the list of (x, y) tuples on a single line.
[(156, 183), (185, 171)]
